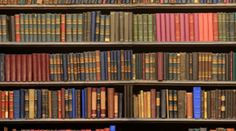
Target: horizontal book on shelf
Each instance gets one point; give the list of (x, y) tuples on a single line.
[(118, 26), (211, 129), (118, 65)]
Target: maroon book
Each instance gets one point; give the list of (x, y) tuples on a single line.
[(186, 23), (43, 64), (29, 68), (7, 68), (63, 102), (182, 26), (196, 27), (158, 27), (39, 65), (13, 67), (24, 68), (163, 25), (167, 21), (35, 67), (47, 67), (160, 68), (172, 27), (18, 67)]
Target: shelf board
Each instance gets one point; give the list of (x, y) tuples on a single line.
[(122, 120), (117, 44), (118, 6), (120, 83)]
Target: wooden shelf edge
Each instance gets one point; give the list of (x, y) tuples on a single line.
[(125, 120), (120, 83), (115, 44), (120, 6)]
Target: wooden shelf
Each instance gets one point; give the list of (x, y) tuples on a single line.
[(122, 6), (122, 120), (117, 44), (120, 83)]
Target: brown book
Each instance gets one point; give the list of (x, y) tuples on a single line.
[(29, 67), (5, 129), (47, 67), (189, 105), (110, 102), (11, 108), (43, 66), (153, 103), (7, 68), (59, 103), (78, 104), (39, 65), (89, 102), (160, 63), (13, 67), (35, 67), (63, 102), (98, 68), (103, 102), (94, 103), (24, 68), (181, 94), (18, 67)]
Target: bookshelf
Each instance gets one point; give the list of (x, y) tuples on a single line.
[(170, 84)]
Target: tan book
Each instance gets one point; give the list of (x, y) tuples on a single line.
[(205, 104), (122, 26), (31, 103), (135, 105), (112, 26), (103, 102), (89, 102), (94, 102), (110, 102), (39, 2), (116, 105), (145, 104), (126, 32), (189, 105), (50, 104), (148, 104)]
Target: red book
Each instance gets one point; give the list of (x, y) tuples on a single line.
[(182, 27), (13, 67), (172, 27), (63, 27), (201, 26), (163, 29), (43, 65), (161, 1), (11, 108), (177, 27), (6, 104), (47, 67), (39, 65), (106, 129), (215, 27), (7, 67), (24, 68), (160, 67), (35, 67), (205, 27), (167, 21), (191, 27), (210, 24), (18, 67), (158, 27), (17, 27), (196, 26), (186, 21), (29, 67)]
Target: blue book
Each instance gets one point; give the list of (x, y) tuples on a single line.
[(64, 60), (39, 104), (73, 103), (112, 64), (112, 128), (22, 103), (102, 69), (196, 102), (93, 27), (83, 103), (118, 66), (16, 100)]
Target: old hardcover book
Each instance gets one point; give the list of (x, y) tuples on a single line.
[(189, 105), (111, 102)]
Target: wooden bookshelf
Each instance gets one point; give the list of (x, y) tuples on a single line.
[(120, 7), (120, 83), (122, 120)]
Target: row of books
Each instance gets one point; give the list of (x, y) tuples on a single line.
[(66, 2), (110, 128), (168, 103), (118, 26), (118, 65), (90, 102), (210, 129)]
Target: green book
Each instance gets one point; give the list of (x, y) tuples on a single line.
[(49, 27), (53, 28), (68, 27), (150, 28), (58, 28), (140, 27), (74, 27), (135, 27), (80, 27), (43, 27), (145, 27)]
